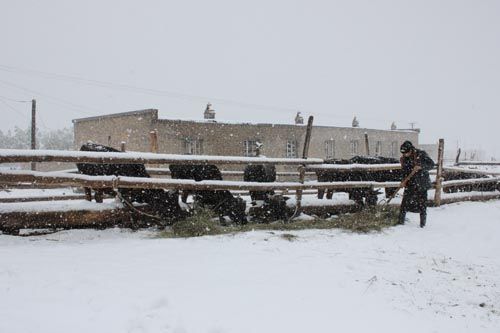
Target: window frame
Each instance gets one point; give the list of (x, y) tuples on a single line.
[(291, 149), (330, 149)]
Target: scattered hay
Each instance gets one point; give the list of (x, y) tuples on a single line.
[(367, 220), (289, 237), (202, 223)]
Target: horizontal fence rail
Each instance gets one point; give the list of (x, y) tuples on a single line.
[(477, 163), (463, 170), (166, 172), (67, 179), (476, 181), (353, 167), (23, 156), (97, 182)]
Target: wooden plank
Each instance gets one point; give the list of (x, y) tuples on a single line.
[(353, 167), (475, 197), (48, 198), (475, 181), (473, 171), (97, 182), (108, 218), (67, 219), (166, 172), (477, 163), (19, 156)]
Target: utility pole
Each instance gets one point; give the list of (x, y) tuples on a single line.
[(33, 130)]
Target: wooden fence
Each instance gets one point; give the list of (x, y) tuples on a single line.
[(306, 166)]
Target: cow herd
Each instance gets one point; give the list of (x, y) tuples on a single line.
[(362, 196), (480, 187), (265, 205), (165, 204)]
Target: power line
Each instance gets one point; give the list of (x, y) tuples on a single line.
[(11, 107), (166, 93), (55, 100), (152, 91), (14, 100)]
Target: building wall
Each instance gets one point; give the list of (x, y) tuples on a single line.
[(131, 127), (228, 138), (343, 136)]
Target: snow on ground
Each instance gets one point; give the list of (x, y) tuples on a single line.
[(36, 192), (405, 279)]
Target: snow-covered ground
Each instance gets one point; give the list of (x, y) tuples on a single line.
[(444, 278)]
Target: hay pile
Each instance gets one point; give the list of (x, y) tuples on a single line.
[(203, 222)]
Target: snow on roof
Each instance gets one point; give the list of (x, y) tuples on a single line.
[(154, 112), (119, 114)]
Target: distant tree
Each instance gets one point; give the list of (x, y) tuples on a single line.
[(60, 139)]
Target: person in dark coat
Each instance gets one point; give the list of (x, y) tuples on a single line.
[(417, 163)]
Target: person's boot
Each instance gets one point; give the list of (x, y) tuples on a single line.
[(401, 218), (423, 218)]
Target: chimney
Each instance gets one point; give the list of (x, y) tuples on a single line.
[(209, 113), (355, 122), (299, 120)]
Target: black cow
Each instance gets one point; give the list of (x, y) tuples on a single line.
[(221, 201), (485, 187), (161, 202), (262, 173), (270, 206), (362, 195)]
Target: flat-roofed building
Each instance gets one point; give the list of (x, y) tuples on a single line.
[(211, 137)]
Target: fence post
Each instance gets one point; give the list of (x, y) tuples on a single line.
[(439, 180), (367, 145), (153, 143), (458, 156), (302, 168), (33, 130)]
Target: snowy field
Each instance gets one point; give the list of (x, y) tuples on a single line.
[(444, 278)]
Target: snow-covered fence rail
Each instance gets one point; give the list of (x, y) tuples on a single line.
[(464, 170), (98, 182), (476, 181), (22, 156), (235, 173), (43, 198), (353, 167), (477, 163)]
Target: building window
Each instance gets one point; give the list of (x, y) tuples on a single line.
[(354, 147), (250, 148), (193, 146), (378, 148), (291, 149), (330, 149), (394, 149)]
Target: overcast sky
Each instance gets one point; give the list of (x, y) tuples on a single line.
[(435, 63)]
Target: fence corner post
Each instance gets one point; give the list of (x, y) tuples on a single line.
[(302, 168), (439, 174)]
